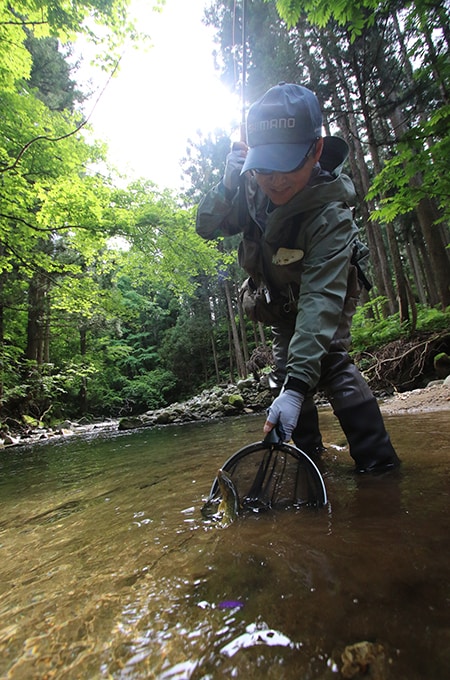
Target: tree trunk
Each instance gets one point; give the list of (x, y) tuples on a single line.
[(214, 351), (433, 294), (36, 319), (414, 263), (2, 330), (438, 256), (262, 334), (243, 327), (403, 298), (398, 124), (426, 210), (230, 355), (46, 331), (240, 364), (360, 177)]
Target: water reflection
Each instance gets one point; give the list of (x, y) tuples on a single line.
[(107, 569)]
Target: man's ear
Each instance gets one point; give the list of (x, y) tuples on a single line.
[(319, 149)]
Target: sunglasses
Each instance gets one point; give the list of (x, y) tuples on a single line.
[(309, 153)]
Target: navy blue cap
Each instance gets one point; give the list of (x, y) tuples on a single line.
[(281, 127)]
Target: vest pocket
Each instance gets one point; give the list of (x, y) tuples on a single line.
[(258, 305)]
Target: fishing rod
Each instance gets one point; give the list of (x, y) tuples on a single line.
[(244, 69), (243, 44)]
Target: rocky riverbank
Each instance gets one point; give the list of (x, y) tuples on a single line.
[(434, 397), (246, 397)]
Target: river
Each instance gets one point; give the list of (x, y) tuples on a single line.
[(109, 571)]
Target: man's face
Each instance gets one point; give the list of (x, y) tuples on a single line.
[(280, 187)]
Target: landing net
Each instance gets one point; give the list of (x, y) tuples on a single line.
[(273, 475)]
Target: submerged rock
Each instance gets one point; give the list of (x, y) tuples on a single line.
[(130, 423), (364, 659)]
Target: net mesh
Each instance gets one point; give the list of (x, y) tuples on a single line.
[(273, 476)]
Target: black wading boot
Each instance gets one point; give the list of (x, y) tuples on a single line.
[(306, 435), (370, 445)]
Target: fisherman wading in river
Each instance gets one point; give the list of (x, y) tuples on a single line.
[(285, 192)]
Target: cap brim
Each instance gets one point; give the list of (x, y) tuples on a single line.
[(275, 157)]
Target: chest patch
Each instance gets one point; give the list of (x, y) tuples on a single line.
[(285, 256)]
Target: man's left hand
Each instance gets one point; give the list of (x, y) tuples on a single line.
[(285, 409)]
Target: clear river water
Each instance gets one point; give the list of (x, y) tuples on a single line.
[(108, 570)]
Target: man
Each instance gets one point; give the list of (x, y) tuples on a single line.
[(286, 194)]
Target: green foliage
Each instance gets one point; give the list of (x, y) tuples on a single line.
[(50, 74), (50, 393), (186, 349), (92, 276), (370, 330), (423, 152), (63, 20), (35, 389), (433, 319), (351, 13), (45, 189), (204, 163), (159, 238), (32, 422), (150, 390), (111, 393)]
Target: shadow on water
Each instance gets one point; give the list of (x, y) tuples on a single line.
[(108, 570)]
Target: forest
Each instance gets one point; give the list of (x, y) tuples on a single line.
[(110, 304)]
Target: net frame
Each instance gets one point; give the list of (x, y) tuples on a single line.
[(271, 474)]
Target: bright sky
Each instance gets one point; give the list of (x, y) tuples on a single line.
[(162, 96)]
